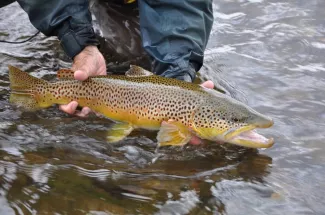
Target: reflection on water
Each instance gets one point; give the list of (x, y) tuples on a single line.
[(40, 180), (269, 54)]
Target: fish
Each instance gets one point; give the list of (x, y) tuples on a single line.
[(178, 110)]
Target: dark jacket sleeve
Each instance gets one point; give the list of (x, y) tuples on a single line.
[(69, 20)]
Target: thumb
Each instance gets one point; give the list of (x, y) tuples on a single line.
[(208, 84), (81, 75)]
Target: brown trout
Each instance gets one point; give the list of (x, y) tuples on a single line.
[(140, 99)]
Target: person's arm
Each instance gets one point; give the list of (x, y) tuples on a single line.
[(69, 20), (175, 34)]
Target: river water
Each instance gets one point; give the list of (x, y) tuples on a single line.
[(270, 54)]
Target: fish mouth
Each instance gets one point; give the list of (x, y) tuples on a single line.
[(247, 136)]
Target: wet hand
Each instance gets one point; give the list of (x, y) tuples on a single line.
[(89, 62), (208, 84)]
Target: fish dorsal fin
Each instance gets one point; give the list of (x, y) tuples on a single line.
[(65, 74), (136, 71)]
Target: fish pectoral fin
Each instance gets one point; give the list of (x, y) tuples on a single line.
[(65, 74), (173, 133), (137, 71), (118, 132)]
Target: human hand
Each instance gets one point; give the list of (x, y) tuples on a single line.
[(89, 62), (208, 84)]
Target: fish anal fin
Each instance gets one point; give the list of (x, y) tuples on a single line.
[(65, 74), (173, 133), (137, 71), (118, 132)]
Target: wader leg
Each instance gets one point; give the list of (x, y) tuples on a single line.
[(175, 34)]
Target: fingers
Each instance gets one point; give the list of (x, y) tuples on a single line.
[(84, 112), (195, 140), (69, 108), (208, 84), (89, 62), (81, 75)]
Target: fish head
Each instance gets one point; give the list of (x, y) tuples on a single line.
[(222, 118)]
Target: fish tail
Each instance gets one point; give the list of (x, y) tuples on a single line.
[(24, 92)]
